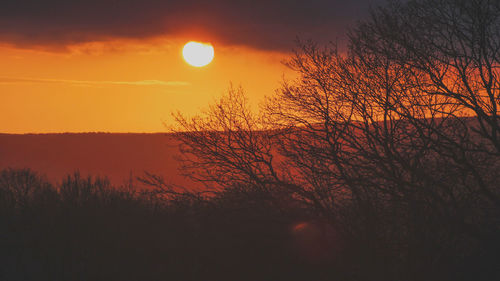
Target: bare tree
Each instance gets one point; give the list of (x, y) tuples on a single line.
[(402, 130), (452, 49)]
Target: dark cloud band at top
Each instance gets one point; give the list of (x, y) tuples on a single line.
[(258, 24)]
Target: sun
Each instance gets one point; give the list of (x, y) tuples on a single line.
[(198, 54)]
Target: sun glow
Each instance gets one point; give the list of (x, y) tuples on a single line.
[(198, 54)]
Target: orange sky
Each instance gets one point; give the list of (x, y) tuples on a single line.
[(123, 86)]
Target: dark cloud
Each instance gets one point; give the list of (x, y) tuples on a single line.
[(259, 24)]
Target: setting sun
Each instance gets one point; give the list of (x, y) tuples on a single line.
[(198, 54)]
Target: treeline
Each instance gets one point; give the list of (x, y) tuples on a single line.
[(85, 229)]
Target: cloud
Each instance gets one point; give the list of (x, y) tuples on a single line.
[(261, 24), (16, 80)]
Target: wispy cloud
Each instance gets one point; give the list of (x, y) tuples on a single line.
[(18, 80)]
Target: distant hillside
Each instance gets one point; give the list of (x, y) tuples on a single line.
[(115, 155)]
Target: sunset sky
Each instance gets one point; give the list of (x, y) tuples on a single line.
[(116, 65)]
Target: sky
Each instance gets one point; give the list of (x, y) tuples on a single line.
[(116, 65)]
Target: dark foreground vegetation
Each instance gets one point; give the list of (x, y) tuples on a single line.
[(84, 229), (381, 163)]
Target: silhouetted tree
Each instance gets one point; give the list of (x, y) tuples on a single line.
[(395, 143)]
